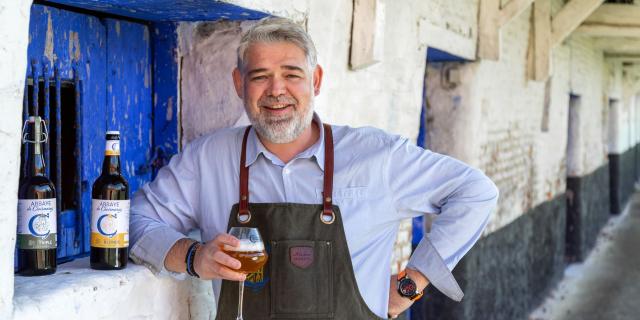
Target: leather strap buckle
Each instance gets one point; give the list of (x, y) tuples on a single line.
[(244, 217), (327, 217)]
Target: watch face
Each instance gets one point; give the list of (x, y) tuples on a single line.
[(407, 287)]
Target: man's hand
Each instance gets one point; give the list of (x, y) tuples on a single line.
[(210, 262), (398, 303)]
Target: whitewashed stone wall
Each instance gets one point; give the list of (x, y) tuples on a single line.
[(494, 117)]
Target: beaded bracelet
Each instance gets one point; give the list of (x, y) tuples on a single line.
[(189, 259)]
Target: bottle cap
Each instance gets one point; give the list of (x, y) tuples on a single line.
[(113, 132)]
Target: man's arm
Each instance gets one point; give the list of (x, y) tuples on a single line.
[(462, 199), (163, 212), (210, 261)]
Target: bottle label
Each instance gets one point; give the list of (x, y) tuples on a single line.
[(109, 223), (37, 224), (112, 148)]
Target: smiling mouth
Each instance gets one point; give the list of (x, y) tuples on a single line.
[(277, 107)]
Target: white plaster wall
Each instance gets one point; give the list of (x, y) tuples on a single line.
[(386, 95), (207, 56), (493, 117), (587, 78), (451, 26), (14, 27)]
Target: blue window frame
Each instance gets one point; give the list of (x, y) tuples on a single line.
[(89, 74)]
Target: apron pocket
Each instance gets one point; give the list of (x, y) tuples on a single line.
[(301, 279)]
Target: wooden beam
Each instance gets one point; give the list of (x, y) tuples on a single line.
[(634, 58), (613, 20), (615, 14), (366, 38), (570, 17), (488, 30), (511, 10), (626, 46), (603, 30), (541, 40), (491, 19)]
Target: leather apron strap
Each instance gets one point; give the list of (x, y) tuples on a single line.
[(327, 216)]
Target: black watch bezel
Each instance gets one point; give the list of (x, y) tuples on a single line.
[(407, 287)]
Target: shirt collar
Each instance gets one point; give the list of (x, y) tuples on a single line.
[(316, 151)]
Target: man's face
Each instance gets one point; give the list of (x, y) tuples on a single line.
[(278, 88)]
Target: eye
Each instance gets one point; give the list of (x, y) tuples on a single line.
[(293, 76), (259, 78)]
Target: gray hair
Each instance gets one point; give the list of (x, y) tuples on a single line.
[(274, 29)]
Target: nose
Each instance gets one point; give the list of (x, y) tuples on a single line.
[(277, 87)]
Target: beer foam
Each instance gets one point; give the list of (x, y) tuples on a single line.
[(246, 246)]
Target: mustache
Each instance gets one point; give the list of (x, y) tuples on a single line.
[(271, 100)]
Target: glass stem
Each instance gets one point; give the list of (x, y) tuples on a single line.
[(240, 294)]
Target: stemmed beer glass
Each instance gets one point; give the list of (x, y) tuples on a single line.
[(251, 254)]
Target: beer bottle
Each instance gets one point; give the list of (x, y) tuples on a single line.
[(110, 211), (37, 212)]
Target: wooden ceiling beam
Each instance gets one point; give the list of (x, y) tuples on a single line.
[(613, 20), (622, 58), (615, 14), (620, 46), (511, 10), (492, 18), (569, 18), (604, 30), (541, 40)]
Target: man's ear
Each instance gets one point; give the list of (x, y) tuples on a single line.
[(317, 80), (238, 83)]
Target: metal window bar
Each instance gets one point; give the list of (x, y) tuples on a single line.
[(56, 73), (47, 113), (82, 220)]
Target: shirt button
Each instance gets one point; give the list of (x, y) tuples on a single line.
[(285, 171)]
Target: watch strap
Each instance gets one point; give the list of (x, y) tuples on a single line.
[(403, 274)]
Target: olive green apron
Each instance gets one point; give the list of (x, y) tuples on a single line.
[(308, 274)]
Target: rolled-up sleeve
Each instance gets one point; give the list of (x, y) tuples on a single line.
[(164, 211), (462, 198)]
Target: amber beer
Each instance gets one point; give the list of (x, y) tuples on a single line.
[(251, 255), (110, 211)]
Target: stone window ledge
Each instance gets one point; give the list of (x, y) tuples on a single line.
[(77, 292)]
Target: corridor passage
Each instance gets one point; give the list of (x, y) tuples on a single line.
[(607, 284)]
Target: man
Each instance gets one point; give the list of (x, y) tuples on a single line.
[(327, 200)]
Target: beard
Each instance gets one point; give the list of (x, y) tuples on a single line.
[(285, 128)]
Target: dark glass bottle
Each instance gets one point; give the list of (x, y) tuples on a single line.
[(110, 211), (37, 213)]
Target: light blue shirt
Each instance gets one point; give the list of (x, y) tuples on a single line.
[(379, 180)]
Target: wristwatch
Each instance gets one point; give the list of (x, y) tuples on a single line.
[(407, 287)]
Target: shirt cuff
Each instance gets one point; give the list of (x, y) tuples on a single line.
[(152, 248), (428, 261)]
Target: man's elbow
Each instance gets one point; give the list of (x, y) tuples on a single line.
[(486, 189)]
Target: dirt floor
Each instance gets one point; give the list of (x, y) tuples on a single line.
[(607, 285)]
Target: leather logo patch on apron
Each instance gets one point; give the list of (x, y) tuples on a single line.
[(301, 257)]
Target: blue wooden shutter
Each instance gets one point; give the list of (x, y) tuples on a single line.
[(107, 63)]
